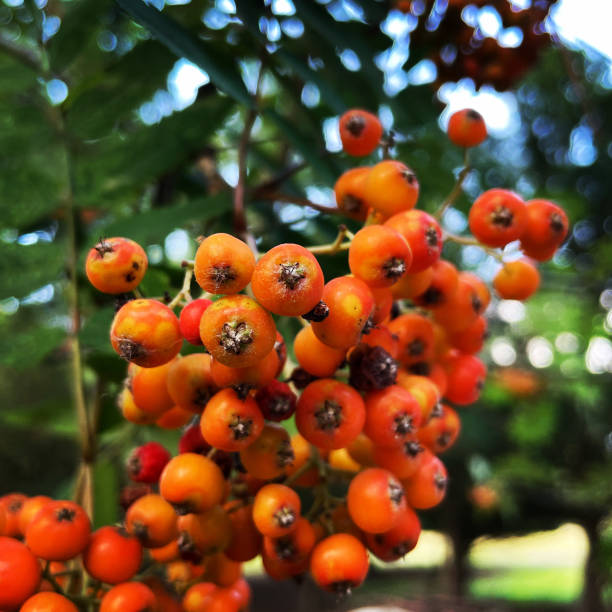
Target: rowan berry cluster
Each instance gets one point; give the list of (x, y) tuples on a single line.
[(382, 357)]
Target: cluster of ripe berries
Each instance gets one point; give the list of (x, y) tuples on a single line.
[(379, 351)]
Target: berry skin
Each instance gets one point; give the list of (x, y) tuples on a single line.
[(350, 193), (466, 375), (206, 533), (131, 412), (12, 504), (268, 457), (314, 356), (441, 431), (112, 555), (546, 229), (360, 132), (28, 511), (223, 264), (175, 418), (427, 487), (375, 500), (231, 423), (517, 280), (199, 597), (254, 376), (152, 520), (350, 304), (461, 309), (146, 462), (392, 416), (19, 573), (402, 461), (415, 336), (330, 414), (276, 510), (245, 542), (146, 332), (129, 597), (150, 390), (442, 286), (289, 554), (399, 540), (339, 563), (379, 256), (412, 285), (192, 483), (466, 128), (116, 265), (497, 217), (471, 339), (423, 235), (288, 280), (237, 331), (189, 320), (59, 531), (391, 187), (48, 602), (276, 401), (190, 382)]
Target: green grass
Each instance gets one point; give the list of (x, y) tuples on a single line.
[(559, 584)]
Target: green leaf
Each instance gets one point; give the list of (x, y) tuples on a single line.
[(79, 23), (154, 225), (184, 44), (30, 346), (26, 268)]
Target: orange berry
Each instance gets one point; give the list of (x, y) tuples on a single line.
[(466, 128), (350, 193), (190, 383), (391, 187), (19, 573), (129, 597), (315, 357), (288, 280), (152, 520), (350, 303), (269, 456), (379, 256), (360, 132), (237, 331), (146, 332), (517, 280), (48, 602), (150, 390), (223, 264), (116, 265), (276, 510)]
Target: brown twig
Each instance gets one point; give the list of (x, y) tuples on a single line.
[(336, 245), (240, 220), (456, 191), (271, 185), (297, 200), (185, 293), (470, 241)]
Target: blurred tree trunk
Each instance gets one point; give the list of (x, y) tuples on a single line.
[(594, 570)]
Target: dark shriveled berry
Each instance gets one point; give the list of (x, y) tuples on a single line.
[(371, 367)]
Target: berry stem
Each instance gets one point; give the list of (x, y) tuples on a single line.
[(185, 292), (456, 191), (291, 199), (469, 241), (336, 245)]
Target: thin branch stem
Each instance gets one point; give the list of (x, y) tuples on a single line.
[(24, 56), (240, 220), (456, 191), (335, 246), (185, 292), (300, 471), (470, 241), (297, 200)]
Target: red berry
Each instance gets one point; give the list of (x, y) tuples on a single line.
[(189, 320), (146, 462), (276, 401)]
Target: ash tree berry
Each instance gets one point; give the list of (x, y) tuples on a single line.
[(498, 217), (146, 332), (19, 573), (396, 543), (546, 229), (390, 188), (276, 401), (152, 520), (190, 383), (116, 265), (237, 331), (339, 563), (350, 193), (223, 264), (517, 280), (146, 462), (276, 510), (189, 320), (315, 357), (360, 132), (288, 280), (467, 128)]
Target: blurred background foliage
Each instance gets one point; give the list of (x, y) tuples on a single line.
[(108, 128)]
